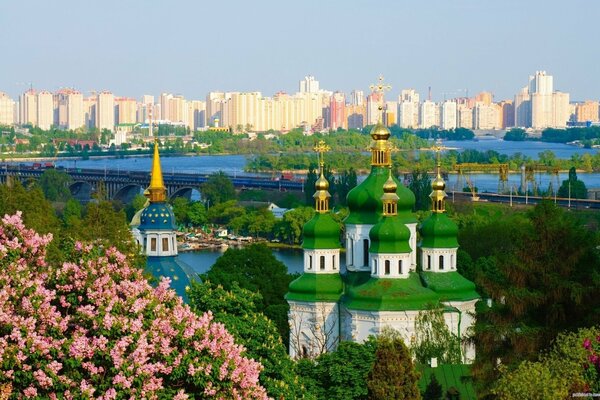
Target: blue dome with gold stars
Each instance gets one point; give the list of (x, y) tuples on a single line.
[(157, 216)]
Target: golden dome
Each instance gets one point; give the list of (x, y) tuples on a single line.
[(390, 186), (438, 184), (380, 132), (321, 183)]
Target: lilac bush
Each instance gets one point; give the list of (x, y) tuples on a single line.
[(95, 328)]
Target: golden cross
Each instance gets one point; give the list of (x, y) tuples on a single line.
[(321, 147), (380, 87)]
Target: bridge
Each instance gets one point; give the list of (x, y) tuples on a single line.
[(124, 185), (576, 204)]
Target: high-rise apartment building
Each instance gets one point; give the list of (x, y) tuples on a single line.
[(561, 111), (357, 116), (105, 111), (7, 110), (89, 111), (523, 108), (196, 114), (28, 108), (448, 114), (428, 114), (484, 98), (215, 106), (464, 116), (374, 114), (507, 114), (486, 116), (309, 85), (45, 110), (390, 116), (337, 111), (586, 111), (125, 110), (408, 108), (357, 98), (68, 109), (165, 106), (539, 106)]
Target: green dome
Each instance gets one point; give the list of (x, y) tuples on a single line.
[(321, 232), (364, 201), (439, 231), (157, 216), (384, 294), (316, 287), (390, 235)]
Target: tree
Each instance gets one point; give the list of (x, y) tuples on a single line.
[(181, 207), (72, 212), (572, 187), (393, 375), (289, 229), (197, 213), (342, 374), (237, 310), (255, 268), (346, 182), (420, 185), (309, 184), (433, 390), (433, 339), (217, 189), (137, 203), (223, 213), (94, 327), (541, 284), (55, 185), (516, 135)]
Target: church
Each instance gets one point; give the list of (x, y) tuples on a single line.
[(390, 274)]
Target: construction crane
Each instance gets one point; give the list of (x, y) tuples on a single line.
[(501, 169), (473, 191), (528, 175)]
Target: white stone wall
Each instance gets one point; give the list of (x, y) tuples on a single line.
[(466, 317), (399, 265), (413, 245), (321, 261), (153, 244), (314, 328), (355, 236), (430, 259)]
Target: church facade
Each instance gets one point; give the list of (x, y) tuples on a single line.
[(389, 277)]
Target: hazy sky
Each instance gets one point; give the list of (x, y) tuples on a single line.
[(191, 47)]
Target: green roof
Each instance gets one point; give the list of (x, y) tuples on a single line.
[(321, 232), (449, 375), (450, 286), (364, 201), (172, 267), (439, 231), (316, 287), (383, 294), (389, 236)]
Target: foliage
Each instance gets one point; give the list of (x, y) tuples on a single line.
[(449, 134), (342, 374), (557, 373), (137, 203), (572, 187), (224, 213), (433, 390), (255, 268), (420, 185), (94, 327), (309, 184), (393, 375), (55, 185), (346, 182), (289, 228), (189, 212), (570, 135), (433, 339), (237, 310), (543, 279), (72, 212), (217, 189), (516, 135)]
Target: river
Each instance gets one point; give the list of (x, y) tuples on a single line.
[(234, 164)]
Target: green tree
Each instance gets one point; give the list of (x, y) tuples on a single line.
[(433, 339), (289, 229), (224, 213), (346, 182), (541, 283), (516, 135), (433, 390), (309, 184), (393, 375), (217, 189), (573, 187), (237, 310), (55, 185), (197, 213), (255, 268), (181, 207), (342, 374), (72, 212), (137, 203), (420, 185)]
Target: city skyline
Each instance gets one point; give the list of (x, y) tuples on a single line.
[(266, 46)]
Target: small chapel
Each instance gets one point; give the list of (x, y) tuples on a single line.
[(394, 268)]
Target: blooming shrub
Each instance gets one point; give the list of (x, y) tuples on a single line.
[(592, 366), (94, 328)]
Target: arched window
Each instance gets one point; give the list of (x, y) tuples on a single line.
[(309, 262), (374, 267), (452, 266), (333, 261), (165, 244), (153, 244), (428, 261), (322, 266), (441, 262), (400, 267), (366, 252), (387, 267)]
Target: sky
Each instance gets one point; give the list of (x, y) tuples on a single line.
[(191, 47)]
